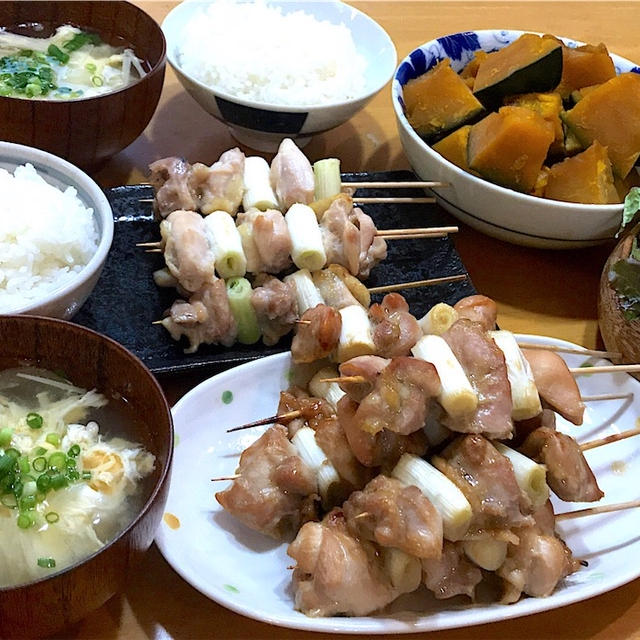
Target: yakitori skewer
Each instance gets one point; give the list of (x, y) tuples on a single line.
[(607, 396), (387, 234), (290, 415), (363, 200), (592, 511), (235, 476), (615, 437)]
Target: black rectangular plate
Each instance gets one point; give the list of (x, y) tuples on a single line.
[(126, 301)]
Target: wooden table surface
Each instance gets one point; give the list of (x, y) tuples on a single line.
[(552, 293)]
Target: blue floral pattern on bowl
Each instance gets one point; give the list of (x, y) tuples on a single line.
[(460, 48)]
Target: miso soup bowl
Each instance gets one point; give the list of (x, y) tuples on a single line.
[(86, 131), (497, 211), (90, 360)]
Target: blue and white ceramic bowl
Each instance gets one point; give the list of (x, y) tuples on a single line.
[(262, 125), (499, 212), (66, 300)]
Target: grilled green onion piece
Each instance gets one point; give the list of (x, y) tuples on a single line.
[(356, 335), (448, 500), (258, 192), (329, 391), (307, 250), (239, 293), (307, 294), (438, 319), (530, 476), (226, 245), (488, 553), (328, 180)]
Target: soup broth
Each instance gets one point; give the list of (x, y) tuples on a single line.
[(69, 480)]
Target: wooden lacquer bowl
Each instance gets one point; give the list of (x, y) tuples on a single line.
[(618, 333), (91, 361), (86, 131)]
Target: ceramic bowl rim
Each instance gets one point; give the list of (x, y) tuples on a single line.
[(166, 468), (269, 106), (101, 211), (494, 189)]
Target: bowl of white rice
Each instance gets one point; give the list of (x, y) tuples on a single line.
[(56, 228), (273, 69)]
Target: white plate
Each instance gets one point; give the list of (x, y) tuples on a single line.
[(246, 572)]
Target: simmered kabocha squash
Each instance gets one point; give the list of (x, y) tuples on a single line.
[(578, 94), (623, 186), (541, 182), (529, 64), (509, 147), (454, 147), (610, 114), (584, 66), (439, 101), (549, 106), (586, 178)]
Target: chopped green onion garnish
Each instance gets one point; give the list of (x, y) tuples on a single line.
[(14, 453), (25, 521), (58, 482), (53, 438), (58, 54), (86, 475), (52, 517), (74, 451), (39, 451), (39, 464), (71, 463), (27, 502), (90, 67), (5, 436), (30, 487), (6, 464), (18, 487), (43, 483), (73, 475), (23, 464), (97, 81), (58, 461), (46, 563), (34, 420), (9, 500)]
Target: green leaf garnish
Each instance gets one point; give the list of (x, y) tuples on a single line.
[(631, 207), (625, 278)]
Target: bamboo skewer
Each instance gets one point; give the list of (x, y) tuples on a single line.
[(616, 437), (583, 352), (221, 478), (418, 283), (290, 415), (591, 511), (607, 396), (395, 185), (612, 368), (347, 379)]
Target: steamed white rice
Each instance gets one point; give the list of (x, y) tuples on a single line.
[(46, 237), (254, 51)]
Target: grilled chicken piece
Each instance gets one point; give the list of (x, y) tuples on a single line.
[(349, 237), (320, 337), (522, 428), (312, 410), (556, 386), (205, 319), (401, 397), (273, 484), (396, 330), (395, 515), (268, 235), (487, 480), (538, 562), (291, 175), (221, 186), (485, 366), (451, 574), (333, 290), (330, 437), (382, 449), (276, 307), (478, 309), (568, 473), (187, 251), (368, 367), (170, 180), (337, 573)]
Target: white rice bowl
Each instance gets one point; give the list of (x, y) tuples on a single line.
[(47, 236), (255, 52)]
